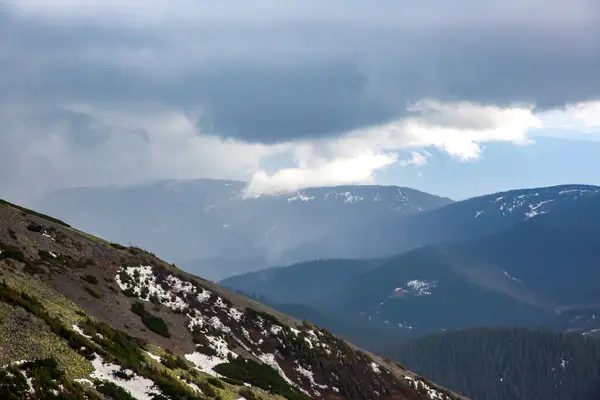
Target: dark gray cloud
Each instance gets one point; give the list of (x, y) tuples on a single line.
[(273, 75)]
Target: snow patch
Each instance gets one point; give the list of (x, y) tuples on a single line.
[(139, 387), (308, 374), (375, 368), (78, 330), (418, 287), (302, 197), (153, 356), (421, 386), (511, 277)]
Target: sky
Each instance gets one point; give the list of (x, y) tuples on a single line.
[(455, 97)]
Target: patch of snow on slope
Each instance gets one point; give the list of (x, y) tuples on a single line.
[(421, 386), (46, 234), (206, 363), (78, 330), (269, 359), (308, 374), (139, 387), (533, 209), (153, 356), (347, 196), (511, 277), (375, 368), (531, 204), (301, 196), (421, 287)]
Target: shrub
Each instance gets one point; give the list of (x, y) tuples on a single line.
[(154, 323), (216, 383), (12, 252), (174, 362), (90, 279), (12, 233), (247, 394), (33, 227), (207, 389), (93, 292), (118, 246), (234, 382), (123, 374), (259, 375), (112, 391)]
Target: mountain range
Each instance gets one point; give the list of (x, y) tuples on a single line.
[(211, 227), (515, 258), (83, 318), (383, 266)]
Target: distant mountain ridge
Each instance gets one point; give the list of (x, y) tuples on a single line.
[(455, 222), (515, 269), (211, 227)]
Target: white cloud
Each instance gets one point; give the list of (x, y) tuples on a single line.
[(359, 169), (154, 142), (581, 117), (417, 158), (459, 129)]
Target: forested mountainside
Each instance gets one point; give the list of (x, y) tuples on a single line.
[(526, 274), (210, 227), (507, 363), (85, 318)]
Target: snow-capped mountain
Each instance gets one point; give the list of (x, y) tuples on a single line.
[(458, 221), (526, 203), (505, 268), (213, 226)]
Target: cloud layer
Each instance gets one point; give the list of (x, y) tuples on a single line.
[(100, 93)]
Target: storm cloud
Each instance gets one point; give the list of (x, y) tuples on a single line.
[(96, 92)]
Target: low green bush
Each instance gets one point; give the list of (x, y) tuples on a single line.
[(259, 375), (90, 279), (152, 322)]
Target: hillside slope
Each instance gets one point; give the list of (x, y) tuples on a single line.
[(84, 316), (527, 363)]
